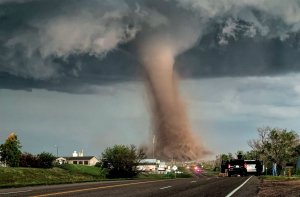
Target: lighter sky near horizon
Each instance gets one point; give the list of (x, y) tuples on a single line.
[(225, 112)]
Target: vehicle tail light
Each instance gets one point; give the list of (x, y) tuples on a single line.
[(245, 165), (229, 166)]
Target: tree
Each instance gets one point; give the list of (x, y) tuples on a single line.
[(225, 157), (10, 151), (297, 151), (42, 160), (276, 144), (248, 155), (28, 160), (46, 160), (257, 144), (121, 161)]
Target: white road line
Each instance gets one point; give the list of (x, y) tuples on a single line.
[(193, 181), (236, 189), (23, 191), (166, 187)]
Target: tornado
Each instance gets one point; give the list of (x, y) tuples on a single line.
[(174, 138)]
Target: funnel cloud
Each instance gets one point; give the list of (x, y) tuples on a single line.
[(173, 135), (174, 138)]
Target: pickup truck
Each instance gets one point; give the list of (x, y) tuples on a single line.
[(237, 167)]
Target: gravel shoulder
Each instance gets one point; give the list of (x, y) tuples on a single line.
[(279, 188)]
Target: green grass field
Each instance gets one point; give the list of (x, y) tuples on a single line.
[(280, 178), (17, 177), (87, 170)]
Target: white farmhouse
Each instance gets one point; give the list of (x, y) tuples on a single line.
[(78, 158)]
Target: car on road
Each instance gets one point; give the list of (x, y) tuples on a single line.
[(237, 167), (198, 170), (251, 166), (254, 167)]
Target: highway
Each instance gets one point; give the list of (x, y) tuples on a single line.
[(202, 186)]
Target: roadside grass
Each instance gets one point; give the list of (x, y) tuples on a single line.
[(280, 178), (19, 177), (87, 170), (67, 173), (210, 172), (185, 173)]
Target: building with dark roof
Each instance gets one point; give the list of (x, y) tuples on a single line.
[(78, 159)]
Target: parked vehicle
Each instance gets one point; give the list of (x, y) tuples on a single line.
[(251, 166), (254, 167), (237, 167)]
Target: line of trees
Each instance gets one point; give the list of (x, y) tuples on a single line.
[(276, 145), (119, 161), (42, 160), (11, 155), (272, 145)]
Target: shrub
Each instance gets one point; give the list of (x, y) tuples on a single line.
[(121, 161), (29, 160), (98, 164), (46, 160)]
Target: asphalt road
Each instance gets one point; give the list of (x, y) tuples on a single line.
[(202, 186)]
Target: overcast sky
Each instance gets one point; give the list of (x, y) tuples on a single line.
[(70, 74)]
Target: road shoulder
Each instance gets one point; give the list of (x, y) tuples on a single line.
[(279, 188)]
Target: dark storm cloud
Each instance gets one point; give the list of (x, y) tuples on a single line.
[(79, 72), (69, 45), (255, 56)]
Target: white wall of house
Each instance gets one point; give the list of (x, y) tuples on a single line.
[(61, 160), (79, 161), (147, 167), (93, 161)]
